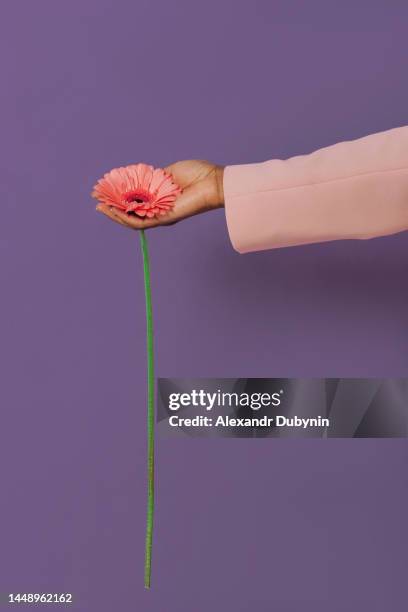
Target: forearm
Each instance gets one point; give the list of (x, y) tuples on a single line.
[(356, 189)]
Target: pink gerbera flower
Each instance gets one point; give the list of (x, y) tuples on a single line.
[(139, 189)]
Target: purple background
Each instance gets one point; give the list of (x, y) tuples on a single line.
[(241, 525)]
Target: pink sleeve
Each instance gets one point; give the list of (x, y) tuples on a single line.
[(356, 189)]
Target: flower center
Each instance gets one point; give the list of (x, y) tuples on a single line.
[(139, 196)]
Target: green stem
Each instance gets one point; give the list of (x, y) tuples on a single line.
[(150, 412)]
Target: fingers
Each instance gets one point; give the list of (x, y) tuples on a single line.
[(108, 212), (133, 221), (130, 221), (178, 172)]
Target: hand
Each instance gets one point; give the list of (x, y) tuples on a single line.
[(202, 184)]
